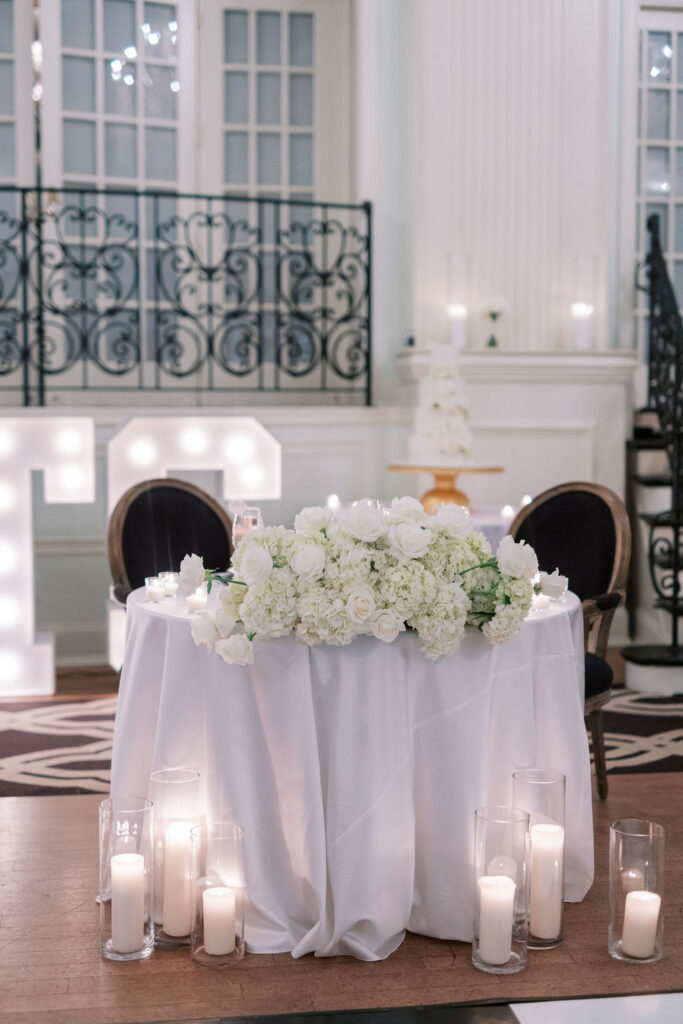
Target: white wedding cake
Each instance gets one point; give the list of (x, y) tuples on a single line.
[(441, 433)]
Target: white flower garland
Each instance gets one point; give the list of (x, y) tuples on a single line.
[(368, 571)]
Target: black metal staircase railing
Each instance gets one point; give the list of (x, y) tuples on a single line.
[(665, 389), (119, 291)]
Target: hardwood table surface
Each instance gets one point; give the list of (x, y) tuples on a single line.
[(51, 969)]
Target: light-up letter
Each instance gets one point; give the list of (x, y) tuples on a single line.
[(64, 448)]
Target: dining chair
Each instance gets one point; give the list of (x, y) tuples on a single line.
[(583, 529), (155, 523)]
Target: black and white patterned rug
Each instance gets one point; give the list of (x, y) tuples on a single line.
[(57, 746)]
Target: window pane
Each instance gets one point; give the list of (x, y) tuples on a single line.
[(236, 99), (658, 114), (79, 147), (78, 84), (120, 150), (160, 153), (679, 115), (680, 57), (301, 160), (659, 54), (268, 158), (6, 151), (119, 25), (235, 162), (160, 31), (6, 27), (679, 172), (78, 24), (657, 174), (301, 100), (160, 93), (158, 212), (678, 279), (301, 40), (267, 38), (120, 90), (268, 98), (6, 87), (662, 211), (235, 37), (678, 242)]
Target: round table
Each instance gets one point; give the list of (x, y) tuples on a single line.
[(355, 772)]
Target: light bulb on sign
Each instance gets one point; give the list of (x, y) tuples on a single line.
[(6, 497), (194, 441), (6, 442), (71, 478), (9, 611), (239, 448), (8, 557), (10, 666), (333, 502), (252, 476), (68, 442), (142, 452), (526, 500)]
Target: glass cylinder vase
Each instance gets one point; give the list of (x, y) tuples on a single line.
[(126, 870), (501, 891), (218, 885), (636, 890), (176, 797), (542, 794)]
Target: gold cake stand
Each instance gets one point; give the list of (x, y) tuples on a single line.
[(444, 491)]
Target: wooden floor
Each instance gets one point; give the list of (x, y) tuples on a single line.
[(51, 970)]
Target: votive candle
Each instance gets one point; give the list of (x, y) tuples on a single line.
[(127, 902), (496, 908), (196, 602), (641, 915), (170, 584), (218, 908), (547, 881), (154, 589)]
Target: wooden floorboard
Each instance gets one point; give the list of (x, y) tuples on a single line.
[(51, 970)]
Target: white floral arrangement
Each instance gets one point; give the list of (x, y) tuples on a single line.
[(368, 571)]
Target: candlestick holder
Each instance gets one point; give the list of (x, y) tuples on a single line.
[(176, 797), (218, 890), (636, 889), (542, 794), (501, 889), (126, 866)]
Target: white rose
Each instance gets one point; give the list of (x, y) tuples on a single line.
[(366, 522), (409, 540), (386, 625), (455, 520), (255, 564), (361, 604), (225, 622), (554, 585), (516, 559), (407, 508), (312, 519), (236, 650), (203, 630), (191, 574), (308, 561)]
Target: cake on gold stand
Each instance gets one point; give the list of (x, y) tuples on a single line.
[(444, 491)]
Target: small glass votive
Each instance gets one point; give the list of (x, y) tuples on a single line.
[(154, 588), (244, 521), (542, 794), (540, 603), (501, 890), (636, 889), (196, 601), (126, 862), (218, 880), (170, 582), (176, 797)]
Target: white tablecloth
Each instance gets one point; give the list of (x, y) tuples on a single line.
[(355, 772)]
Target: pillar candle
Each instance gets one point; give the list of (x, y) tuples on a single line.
[(496, 908), (641, 914), (582, 315), (177, 907), (127, 902), (218, 907), (547, 881), (458, 318)]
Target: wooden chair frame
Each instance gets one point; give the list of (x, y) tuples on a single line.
[(122, 586), (598, 610)]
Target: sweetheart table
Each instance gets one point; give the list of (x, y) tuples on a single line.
[(355, 771)]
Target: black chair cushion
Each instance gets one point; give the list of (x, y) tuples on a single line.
[(165, 523), (574, 532), (599, 676)]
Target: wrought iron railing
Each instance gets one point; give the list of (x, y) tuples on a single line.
[(666, 398), (117, 291)]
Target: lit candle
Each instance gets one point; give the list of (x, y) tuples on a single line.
[(547, 881), (127, 902), (632, 878), (641, 915), (177, 907), (458, 316), (540, 602), (582, 314), (218, 906), (496, 908), (196, 602), (170, 584), (507, 513), (333, 502), (154, 588)]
